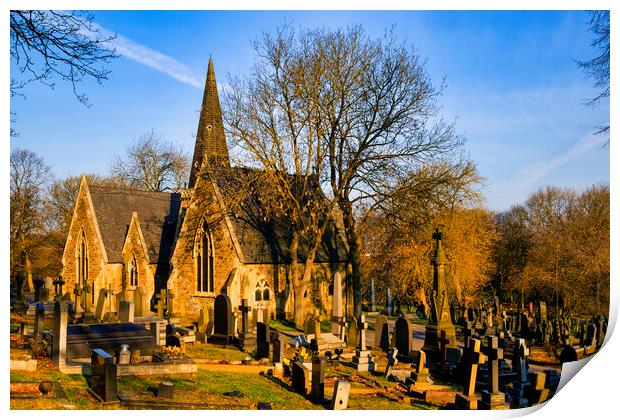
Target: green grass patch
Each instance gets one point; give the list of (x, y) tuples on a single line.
[(213, 352), (283, 325)]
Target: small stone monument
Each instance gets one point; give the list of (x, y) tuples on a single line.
[(473, 357), (262, 340), (138, 301), (126, 311), (103, 377), (419, 379), (391, 361), (318, 380), (363, 360), (492, 399), (353, 336), (340, 398), (403, 336), (124, 355)]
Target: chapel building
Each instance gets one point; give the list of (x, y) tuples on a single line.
[(199, 242)]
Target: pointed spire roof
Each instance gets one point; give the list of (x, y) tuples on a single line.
[(210, 137)]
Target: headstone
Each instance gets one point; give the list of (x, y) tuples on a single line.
[(340, 397), (156, 332), (262, 340), (403, 336), (59, 343), (492, 399), (38, 322), (278, 349), (312, 326), (419, 378), (101, 299), (246, 340), (103, 378), (223, 322), (363, 360), (537, 392), (138, 302), (318, 380), (373, 307), (38, 285), (382, 333), (337, 309), (517, 389), (126, 311), (473, 357), (300, 378), (392, 361), (353, 337)]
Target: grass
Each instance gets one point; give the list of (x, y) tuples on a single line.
[(214, 353), (284, 325)]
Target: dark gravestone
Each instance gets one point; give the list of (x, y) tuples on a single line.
[(80, 338), (403, 335), (223, 322), (492, 399), (103, 375), (38, 285), (278, 349), (318, 380), (473, 357), (382, 333), (568, 354), (300, 378), (262, 340)]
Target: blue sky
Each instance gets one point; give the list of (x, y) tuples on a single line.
[(512, 85)]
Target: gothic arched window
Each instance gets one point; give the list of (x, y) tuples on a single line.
[(82, 259), (204, 260), (133, 271)]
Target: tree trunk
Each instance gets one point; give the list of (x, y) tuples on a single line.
[(354, 255), (297, 285)]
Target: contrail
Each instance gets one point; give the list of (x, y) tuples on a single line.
[(149, 57)]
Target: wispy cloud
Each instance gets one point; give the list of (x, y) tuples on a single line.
[(529, 174), (150, 58)]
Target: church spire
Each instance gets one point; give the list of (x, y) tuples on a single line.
[(210, 138)]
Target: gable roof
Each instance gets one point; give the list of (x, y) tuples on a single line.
[(157, 211), (262, 239)]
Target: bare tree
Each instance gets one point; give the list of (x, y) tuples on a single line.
[(272, 119), (152, 164), (380, 120), (29, 173), (597, 68), (50, 44)]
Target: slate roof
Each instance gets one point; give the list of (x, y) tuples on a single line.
[(263, 240), (157, 214)]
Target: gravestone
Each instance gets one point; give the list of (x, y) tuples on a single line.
[(382, 333), (103, 377), (59, 342), (262, 340), (363, 360), (353, 337), (278, 348), (473, 357), (223, 322), (418, 380), (318, 380), (537, 392), (337, 309), (312, 326), (58, 284), (124, 355), (440, 318), (126, 311), (300, 378), (38, 285), (340, 397), (392, 361), (517, 389), (138, 302), (403, 336), (492, 399), (101, 299), (38, 322), (246, 339)]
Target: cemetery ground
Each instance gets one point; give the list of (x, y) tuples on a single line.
[(224, 380)]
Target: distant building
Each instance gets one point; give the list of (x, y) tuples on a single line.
[(199, 242)]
